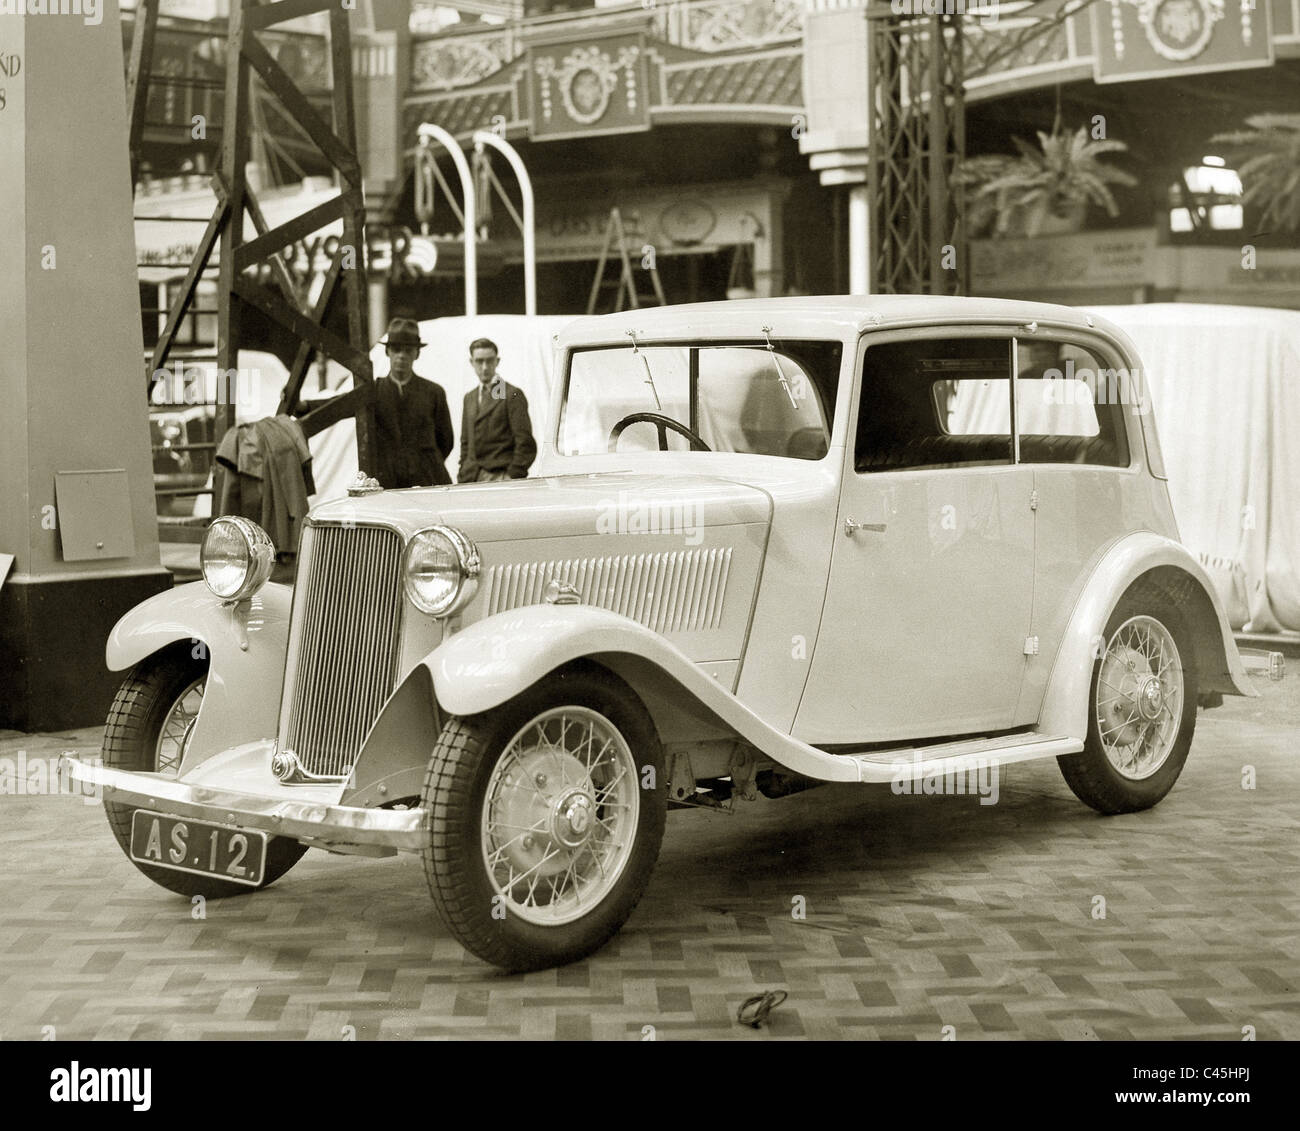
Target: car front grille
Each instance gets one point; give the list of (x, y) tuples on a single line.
[(343, 644)]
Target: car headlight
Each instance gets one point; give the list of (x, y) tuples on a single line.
[(236, 558), (440, 569)]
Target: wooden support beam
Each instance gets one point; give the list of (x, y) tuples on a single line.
[(339, 153), (320, 315), (291, 319), (352, 403), (282, 276), (345, 122), (216, 225), (137, 76), (277, 239), (267, 15), (234, 156)]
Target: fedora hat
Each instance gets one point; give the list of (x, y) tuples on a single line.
[(402, 332)]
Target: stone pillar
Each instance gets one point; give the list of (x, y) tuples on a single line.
[(381, 67), (769, 251), (837, 92), (859, 241), (77, 508)]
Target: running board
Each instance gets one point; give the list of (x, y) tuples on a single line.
[(913, 763)]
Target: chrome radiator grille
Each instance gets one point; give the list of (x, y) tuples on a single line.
[(678, 591), (343, 643)]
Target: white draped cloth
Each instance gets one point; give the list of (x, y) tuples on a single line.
[(1225, 381)]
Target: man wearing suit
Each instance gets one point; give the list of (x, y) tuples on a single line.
[(496, 437), (412, 419)]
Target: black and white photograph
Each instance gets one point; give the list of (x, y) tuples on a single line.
[(736, 521)]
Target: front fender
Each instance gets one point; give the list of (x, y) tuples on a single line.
[(194, 612), (496, 658), (1065, 704), (246, 646)]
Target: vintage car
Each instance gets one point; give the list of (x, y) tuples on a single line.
[(769, 544)]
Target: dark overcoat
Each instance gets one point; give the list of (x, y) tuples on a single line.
[(413, 433)]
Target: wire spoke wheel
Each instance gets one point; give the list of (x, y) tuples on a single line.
[(1141, 712), (545, 818), (560, 815), (177, 726), (1139, 699)]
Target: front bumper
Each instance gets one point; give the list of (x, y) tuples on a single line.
[(319, 824)]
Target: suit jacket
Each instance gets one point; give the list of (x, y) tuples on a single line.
[(412, 432), (497, 437)]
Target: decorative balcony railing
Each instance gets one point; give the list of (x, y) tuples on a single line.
[(455, 59)]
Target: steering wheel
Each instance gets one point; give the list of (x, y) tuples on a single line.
[(663, 423)]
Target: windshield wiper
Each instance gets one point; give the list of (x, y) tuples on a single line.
[(780, 373), (649, 377)]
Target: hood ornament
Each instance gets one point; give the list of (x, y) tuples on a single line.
[(364, 485)]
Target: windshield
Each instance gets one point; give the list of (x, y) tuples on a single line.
[(743, 397)]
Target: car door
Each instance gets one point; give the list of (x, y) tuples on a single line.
[(928, 602), (1074, 401)]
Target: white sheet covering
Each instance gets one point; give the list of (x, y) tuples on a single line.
[(525, 346), (1225, 381)]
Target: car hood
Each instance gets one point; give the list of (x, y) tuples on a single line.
[(561, 506)]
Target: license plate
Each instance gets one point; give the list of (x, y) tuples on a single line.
[(186, 845)]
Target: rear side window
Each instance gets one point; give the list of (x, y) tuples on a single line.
[(946, 402), (938, 402), (1069, 405)]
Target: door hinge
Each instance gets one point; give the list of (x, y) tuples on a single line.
[(1031, 645), (1033, 499)]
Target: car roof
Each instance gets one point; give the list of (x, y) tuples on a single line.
[(815, 316)]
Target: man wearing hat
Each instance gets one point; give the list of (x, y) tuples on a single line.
[(412, 420)]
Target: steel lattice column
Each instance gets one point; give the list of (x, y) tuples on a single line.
[(917, 138)]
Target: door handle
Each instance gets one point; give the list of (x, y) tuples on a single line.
[(850, 526)]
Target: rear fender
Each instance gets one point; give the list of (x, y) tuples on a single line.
[(246, 646), (1140, 558)]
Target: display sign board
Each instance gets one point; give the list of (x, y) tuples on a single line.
[(1122, 258), (584, 89), (1142, 39), (697, 218)]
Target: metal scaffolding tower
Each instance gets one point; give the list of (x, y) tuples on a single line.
[(314, 325), (917, 140)]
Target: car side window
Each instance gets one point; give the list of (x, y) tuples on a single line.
[(1069, 405), (935, 403)]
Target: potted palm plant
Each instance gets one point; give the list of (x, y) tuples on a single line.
[(1043, 190), (1267, 158)]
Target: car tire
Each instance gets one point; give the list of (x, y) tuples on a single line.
[(1128, 700), (145, 702), (508, 798)]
